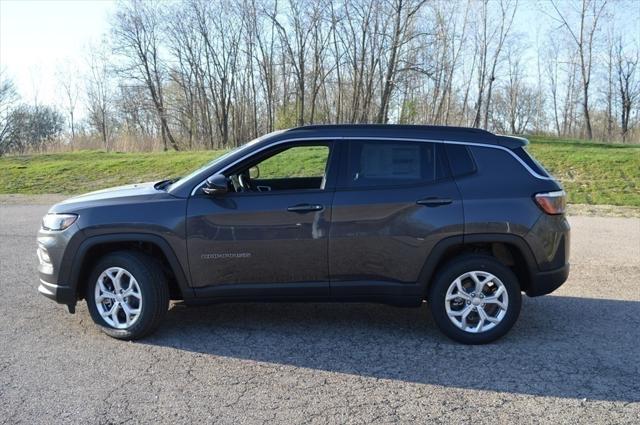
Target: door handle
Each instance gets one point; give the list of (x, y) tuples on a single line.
[(303, 208), (434, 202)]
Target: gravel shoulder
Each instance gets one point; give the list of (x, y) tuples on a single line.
[(571, 358), (603, 210)]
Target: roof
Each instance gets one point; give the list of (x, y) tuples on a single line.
[(433, 132)]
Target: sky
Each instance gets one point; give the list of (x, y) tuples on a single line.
[(40, 37)]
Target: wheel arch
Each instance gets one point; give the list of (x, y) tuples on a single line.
[(511, 250), (93, 248)]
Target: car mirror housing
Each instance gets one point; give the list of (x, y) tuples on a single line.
[(216, 185)]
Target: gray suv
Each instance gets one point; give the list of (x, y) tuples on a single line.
[(461, 218)]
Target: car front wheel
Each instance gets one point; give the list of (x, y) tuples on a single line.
[(127, 295), (475, 299)]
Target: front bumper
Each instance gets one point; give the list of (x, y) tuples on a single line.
[(54, 251), (59, 293), (545, 282)]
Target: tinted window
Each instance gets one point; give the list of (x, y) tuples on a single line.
[(460, 160), (524, 155), (382, 163)]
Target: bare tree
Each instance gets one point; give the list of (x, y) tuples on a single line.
[(447, 48), (609, 89), (553, 74), (221, 55), (265, 38), (71, 91), (186, 48), (320, 67), (99, 93), (303, 18), (360, 33), (628, 85), (136, 34), (403, 14), (213, 73), (516, 100), (515, 91), (491, 40), (583, 35), (8, 100)]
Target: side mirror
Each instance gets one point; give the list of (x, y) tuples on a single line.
[(216, 185), (254, 172)]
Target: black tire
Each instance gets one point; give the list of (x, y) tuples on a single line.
[(456, 268), (153, 287)]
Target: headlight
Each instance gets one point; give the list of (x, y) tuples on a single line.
[(58, 221)]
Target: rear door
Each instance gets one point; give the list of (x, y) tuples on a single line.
[(395, 200)]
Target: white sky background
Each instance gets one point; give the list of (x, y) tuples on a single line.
[(38, 37)]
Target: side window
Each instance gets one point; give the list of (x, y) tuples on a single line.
[(524, 155), (298, 161), (460, 160), (390, 163), (301, 167)]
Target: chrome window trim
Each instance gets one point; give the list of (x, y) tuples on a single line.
[(404, 139)]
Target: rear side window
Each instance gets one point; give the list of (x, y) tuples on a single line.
[(391, 163), (460, 160), (525, 156)]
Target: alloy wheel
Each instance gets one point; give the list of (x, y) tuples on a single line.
[(476, 301), (118, 298)]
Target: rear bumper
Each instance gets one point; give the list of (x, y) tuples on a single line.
[(545, 282), (59, 293)]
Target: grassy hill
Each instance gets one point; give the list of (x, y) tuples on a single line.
[(592, 173)]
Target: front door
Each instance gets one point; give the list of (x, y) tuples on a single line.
[(269, 234)]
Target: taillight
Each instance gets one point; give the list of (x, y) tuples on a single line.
[(552, 202)]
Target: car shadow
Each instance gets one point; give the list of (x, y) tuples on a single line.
[(560, 347)]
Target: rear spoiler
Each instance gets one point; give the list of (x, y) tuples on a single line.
[(511, 142)]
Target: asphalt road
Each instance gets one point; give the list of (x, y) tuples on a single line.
[(573, 357)]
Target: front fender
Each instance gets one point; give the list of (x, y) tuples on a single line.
[(72, 275)]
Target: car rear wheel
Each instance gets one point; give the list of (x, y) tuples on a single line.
[(127, 295), (475, 299)]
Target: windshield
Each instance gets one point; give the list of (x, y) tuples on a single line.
[(220, 158)]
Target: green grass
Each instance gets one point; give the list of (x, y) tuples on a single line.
[(78, 172), (592, 173)]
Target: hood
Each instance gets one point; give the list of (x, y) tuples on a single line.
[(114, 195)]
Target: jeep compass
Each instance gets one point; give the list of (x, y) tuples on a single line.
[(459, 218)]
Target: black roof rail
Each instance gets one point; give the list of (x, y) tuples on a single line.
[(443, 128), (434, 132)]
